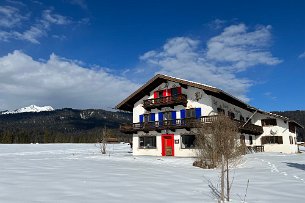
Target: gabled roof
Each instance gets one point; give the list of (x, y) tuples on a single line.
[(128, 103)]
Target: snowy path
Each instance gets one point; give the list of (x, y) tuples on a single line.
[(79, 173)]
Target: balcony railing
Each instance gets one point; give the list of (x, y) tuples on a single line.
[(169, 101), (186, 123)]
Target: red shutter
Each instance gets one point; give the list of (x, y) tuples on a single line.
[(164, 93), (179, 90), (169, 92), (155, 94)]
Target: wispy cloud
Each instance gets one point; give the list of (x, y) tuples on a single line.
[(10, 17), (234, 50), (58, 82), (80, 3), (217, 24), (52, 18), (11, 20), (270, 96), (302, 55)]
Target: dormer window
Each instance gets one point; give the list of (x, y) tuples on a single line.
[(269, 122)]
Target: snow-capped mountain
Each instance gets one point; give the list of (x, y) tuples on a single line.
[(31, 108)]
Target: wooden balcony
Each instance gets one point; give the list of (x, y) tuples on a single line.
[(169, 101), (186, 123), (249, 128)]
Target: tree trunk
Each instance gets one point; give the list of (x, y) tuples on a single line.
[(228, 182), (222, 195)]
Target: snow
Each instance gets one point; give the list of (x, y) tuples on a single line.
[(31, 108), (80, 173)]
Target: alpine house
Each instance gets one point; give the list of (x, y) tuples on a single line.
[(164, 106)]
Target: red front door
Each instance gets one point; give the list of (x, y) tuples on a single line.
[(168, 145)]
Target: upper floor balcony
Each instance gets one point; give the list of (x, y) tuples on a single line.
[(169, 101), (186, 123)]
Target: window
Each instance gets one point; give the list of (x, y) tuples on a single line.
[(242, 139), (149, 117), (241, 118), (167, 115), (250, 140), (188, 141), (291, 127), (174, 91), (291, 139), (231, 115), (272, 140), (269, 122), (190, 113), (193, 113), (148, 142), (159, 94), (146, 118), (221, 111)]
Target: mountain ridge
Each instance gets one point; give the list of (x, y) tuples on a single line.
[(31, 108)]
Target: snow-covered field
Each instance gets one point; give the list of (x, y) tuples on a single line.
[(79, 173)]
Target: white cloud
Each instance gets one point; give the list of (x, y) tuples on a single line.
[(10, 16), (243, 49), (269, 95), (80, 3), (58, 82), (302, 55), (217, 24), (234, 50), (11, 19), (49, 17)]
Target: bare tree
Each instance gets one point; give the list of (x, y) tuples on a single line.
[(218, 146), (102, 142)]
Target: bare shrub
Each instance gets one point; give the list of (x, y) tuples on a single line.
[(105, 134), (218, 146)]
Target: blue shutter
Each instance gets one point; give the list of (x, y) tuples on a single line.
[(160, 117), (174, 117), (182, 114), (141, 118), (152, 117), (198, 112)]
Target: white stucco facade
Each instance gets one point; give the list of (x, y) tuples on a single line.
[(209, 106)]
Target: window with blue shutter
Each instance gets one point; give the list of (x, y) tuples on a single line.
[(152, 119), (198, 113), (182, 116)]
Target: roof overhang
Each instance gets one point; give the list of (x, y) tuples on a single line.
[(128, 103)]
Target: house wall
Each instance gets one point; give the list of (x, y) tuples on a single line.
[(197, 98), (281, 129), (178, 150), (203, 101)]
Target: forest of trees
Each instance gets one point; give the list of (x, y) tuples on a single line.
[(62, 126), (79, 126)]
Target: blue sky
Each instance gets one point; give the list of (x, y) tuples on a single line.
[(92, 54)]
